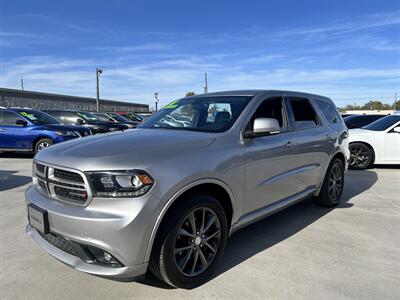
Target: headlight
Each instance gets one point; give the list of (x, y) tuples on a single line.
[(113, 128), (65, 133), (120, 184)]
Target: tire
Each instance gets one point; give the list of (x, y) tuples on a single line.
[(332, 187), (41, 144), (182, 269), (361, 156)]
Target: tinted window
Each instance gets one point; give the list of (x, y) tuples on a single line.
[(303, 113), (38, 117), (118, 117), (270, 108), (104, 117), (383, 123), (206, 114), (360, 121), (87, 116), (8, 118), (55, 114), (329, 111), (71, 118)]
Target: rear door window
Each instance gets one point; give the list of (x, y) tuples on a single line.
[(8, 118), (304, 115), (330, 112)]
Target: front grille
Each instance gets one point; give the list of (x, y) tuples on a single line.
[(70, 176), (40, 168), (73, 194), (59, 242), (61, 184)]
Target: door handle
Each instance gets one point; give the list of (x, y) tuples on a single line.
[(2, 130)]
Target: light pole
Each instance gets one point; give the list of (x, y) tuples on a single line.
[(98, 73), (156, 97)]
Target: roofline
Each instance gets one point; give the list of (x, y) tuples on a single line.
[(258, 92)]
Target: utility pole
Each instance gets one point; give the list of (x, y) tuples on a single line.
[(98, 73), (157, 100), (206, 86), (22, 83)]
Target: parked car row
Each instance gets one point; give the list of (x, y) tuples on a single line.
[(23, 129)]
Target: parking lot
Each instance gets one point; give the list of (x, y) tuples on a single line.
[(306, 251)]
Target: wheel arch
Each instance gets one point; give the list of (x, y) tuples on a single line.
[(210, 186), (38, 138), (338, 154)]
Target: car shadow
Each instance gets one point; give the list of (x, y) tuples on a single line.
[(10, 181), (23, 155), (264, 234)]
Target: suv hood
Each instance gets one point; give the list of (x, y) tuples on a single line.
[(137, 148)]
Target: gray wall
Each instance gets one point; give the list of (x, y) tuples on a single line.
[(36, 100)]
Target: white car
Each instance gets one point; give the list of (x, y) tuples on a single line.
[(376, 143)]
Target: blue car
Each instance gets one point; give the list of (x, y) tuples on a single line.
[(31, 130)]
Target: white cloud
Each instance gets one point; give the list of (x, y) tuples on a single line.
[(173, 77)]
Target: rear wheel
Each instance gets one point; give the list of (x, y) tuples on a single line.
[(42, 144), (332, 187), (360, 156), (191, 242)]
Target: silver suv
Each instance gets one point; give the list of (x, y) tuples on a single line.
[(166, 196)]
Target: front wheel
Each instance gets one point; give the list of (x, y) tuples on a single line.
[(191, 242), (332, 187), (360, 156), (42, 144)]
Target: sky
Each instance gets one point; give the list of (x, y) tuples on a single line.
[(346, 50)]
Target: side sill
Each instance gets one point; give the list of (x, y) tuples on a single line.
[(268, 210)]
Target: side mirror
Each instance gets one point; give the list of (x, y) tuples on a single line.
[(79, 122), (21, 122), (396, 129), (264, 126)]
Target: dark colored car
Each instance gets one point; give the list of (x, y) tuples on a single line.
[(359, 121), (31, 130), (346, 115), (131, 116), (86, 119), (115, 118)]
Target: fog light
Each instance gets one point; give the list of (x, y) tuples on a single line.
[(100, 256)]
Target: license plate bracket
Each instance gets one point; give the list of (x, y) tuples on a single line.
[(38, 218)]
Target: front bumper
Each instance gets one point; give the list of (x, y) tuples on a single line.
[(121, 227)]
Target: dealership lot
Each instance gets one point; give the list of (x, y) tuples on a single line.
[(303, 252)]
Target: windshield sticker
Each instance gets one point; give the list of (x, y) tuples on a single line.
[(28, 115), (173, 104)]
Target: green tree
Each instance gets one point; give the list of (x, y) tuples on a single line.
[(397, 105), (190, 93)]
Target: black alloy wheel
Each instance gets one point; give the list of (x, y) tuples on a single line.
[(360, 156), (197, 241)]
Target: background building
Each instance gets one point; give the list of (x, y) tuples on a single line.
[(37, 100)]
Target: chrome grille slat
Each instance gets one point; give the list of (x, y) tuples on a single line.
[(61, 183)]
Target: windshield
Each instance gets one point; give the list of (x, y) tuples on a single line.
[(205, 114), (118, 117), (383, 124), (38, 117), (87, 116), (135, 117), (104, 117)]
